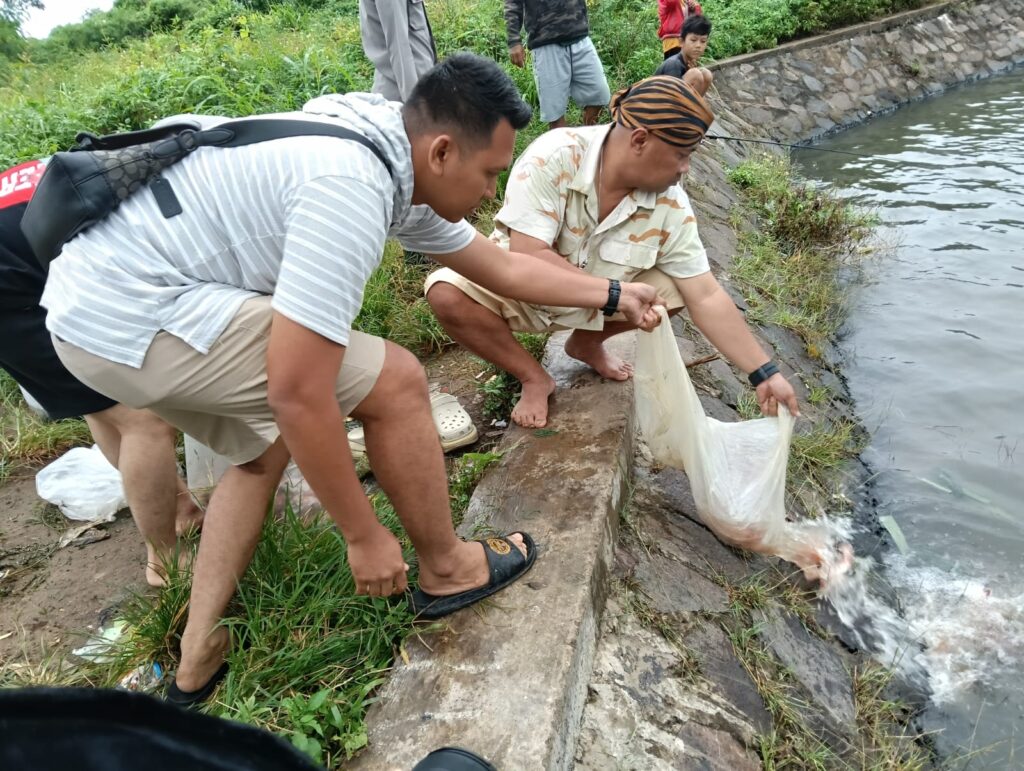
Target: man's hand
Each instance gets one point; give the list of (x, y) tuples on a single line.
[(517, 55), (636, 303), (774, 390), (377, 564)]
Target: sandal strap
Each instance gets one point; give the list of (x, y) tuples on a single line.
[(503, 556)]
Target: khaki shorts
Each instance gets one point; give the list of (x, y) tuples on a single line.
[(524, 317), (219, 398)]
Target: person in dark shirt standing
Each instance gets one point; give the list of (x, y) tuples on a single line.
[(565, 62), (138, 443), (695, 34)]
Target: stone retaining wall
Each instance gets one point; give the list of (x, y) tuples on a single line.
[(802, 90)]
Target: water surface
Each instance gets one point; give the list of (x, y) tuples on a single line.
[(935, 361)]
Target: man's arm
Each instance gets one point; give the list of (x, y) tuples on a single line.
[(716, 315), (524, 244), (535, 280), (302, 370), (514, 27), (394, 21)]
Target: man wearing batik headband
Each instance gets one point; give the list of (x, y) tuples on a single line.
[(606, 200)]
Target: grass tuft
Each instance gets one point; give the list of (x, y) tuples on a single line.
[(790, 269), (25, 437)]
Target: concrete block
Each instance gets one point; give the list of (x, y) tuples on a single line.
[(509, 681)]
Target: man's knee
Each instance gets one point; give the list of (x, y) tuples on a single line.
[(139, 422), (403, 371), (446, 300)]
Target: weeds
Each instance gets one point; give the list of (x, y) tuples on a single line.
[(464, 473), (307, 652), (791, 743), (884, 741), (27, 438), (816, 456), (394, 306), (789, 270), (688, 667)]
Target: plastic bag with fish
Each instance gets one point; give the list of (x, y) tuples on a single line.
[(737, 471)]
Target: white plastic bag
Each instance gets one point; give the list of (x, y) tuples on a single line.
[(83, 485), (737, 471)]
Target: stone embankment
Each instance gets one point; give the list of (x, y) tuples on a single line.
[(639, 641), (804, 89)]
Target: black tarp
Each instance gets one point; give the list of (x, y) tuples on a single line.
[(89, 729)]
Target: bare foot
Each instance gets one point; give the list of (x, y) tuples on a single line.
[(531, 411), (156, 575), (606, 365), (468, 569), (189, 516), (200, 659)]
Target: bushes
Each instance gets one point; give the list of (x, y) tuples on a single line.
[(741, 26), (236, 57)]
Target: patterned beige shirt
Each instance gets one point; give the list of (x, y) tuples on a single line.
[(552, 196)]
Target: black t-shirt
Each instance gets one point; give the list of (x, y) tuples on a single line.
[(21, 276), (673, 65)]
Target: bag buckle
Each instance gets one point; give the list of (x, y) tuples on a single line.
[(187, 140)]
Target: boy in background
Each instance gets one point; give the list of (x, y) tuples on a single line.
[(695, 34)]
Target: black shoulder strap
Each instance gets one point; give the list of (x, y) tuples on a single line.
[(236, 133)]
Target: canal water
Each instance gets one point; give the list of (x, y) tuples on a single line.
[(934, 349)]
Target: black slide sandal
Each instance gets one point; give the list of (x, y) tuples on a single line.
[(193, 698), (507, 565)]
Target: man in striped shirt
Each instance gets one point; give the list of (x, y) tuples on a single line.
[(233, 322)]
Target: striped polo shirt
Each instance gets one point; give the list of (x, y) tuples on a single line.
[(303, 219)]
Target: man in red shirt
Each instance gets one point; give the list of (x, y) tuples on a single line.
[(137, 442), (673, 13)]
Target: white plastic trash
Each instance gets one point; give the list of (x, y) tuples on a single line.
[(203, 467), (33, 405), (83, 485)]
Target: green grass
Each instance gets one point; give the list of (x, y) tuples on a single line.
[(464, 473), (394, 306), (789, 268), (26, 438), (817, 455), (307, 652), (146, 60)]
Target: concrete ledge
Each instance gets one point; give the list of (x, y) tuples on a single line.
[(508, 681)]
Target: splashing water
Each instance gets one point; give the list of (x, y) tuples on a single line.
[(954, 633)]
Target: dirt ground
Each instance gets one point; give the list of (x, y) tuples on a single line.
[(50, 598)]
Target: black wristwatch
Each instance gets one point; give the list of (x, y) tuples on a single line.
[(614, 290), (762, 373)]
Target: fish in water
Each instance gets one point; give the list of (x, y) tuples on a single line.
[(945, 482)]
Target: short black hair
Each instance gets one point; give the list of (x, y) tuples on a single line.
[(695, 25), (468, 94)]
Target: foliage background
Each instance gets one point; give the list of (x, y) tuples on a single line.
[(145, 59)]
